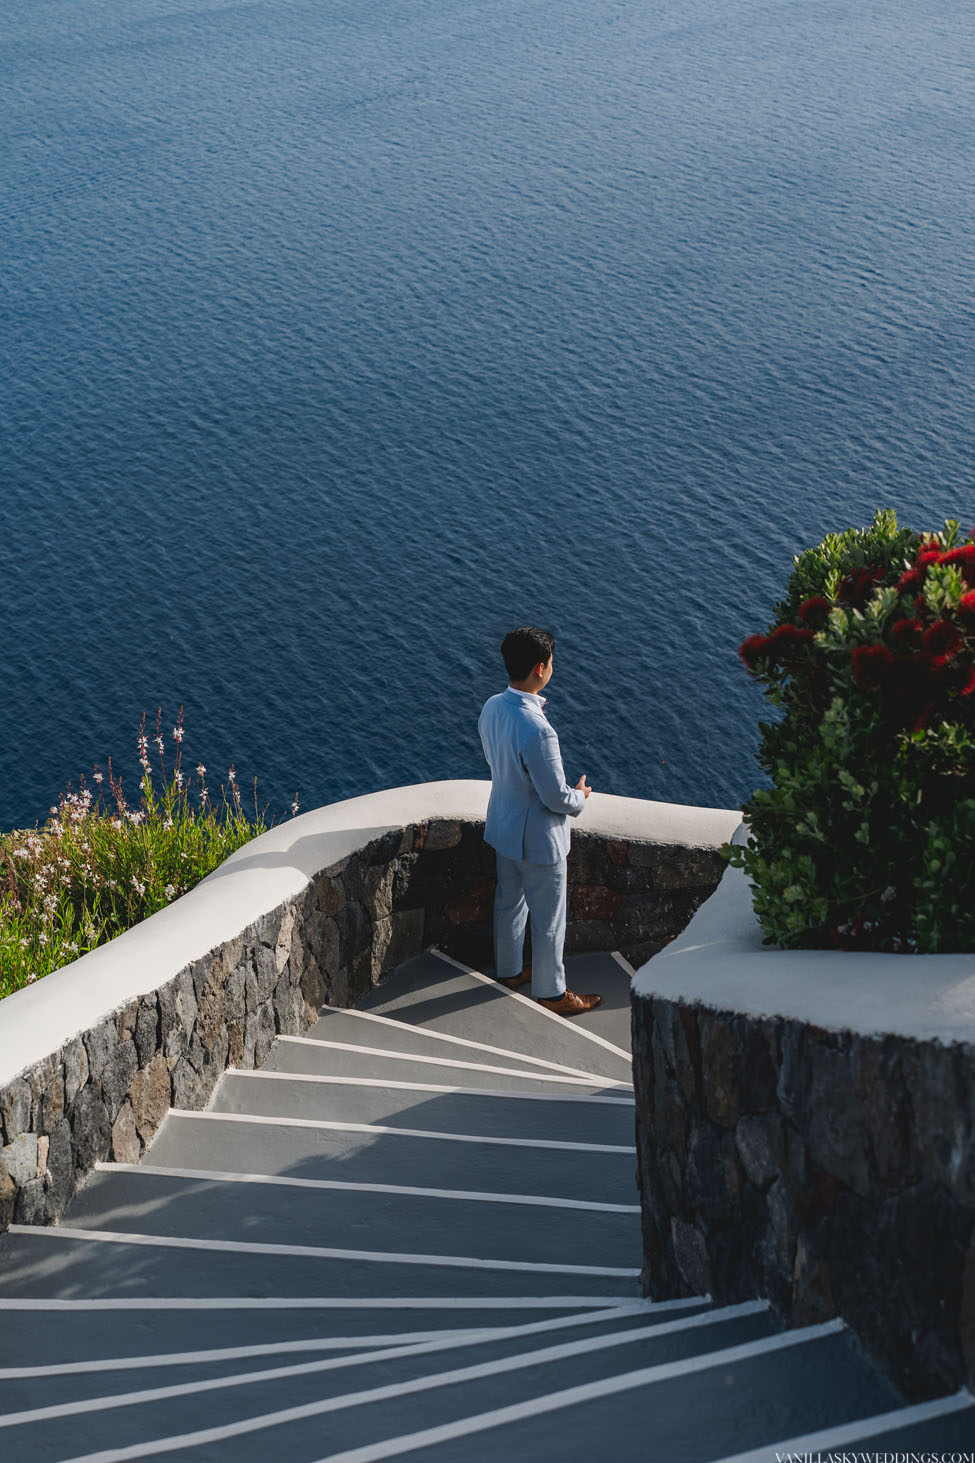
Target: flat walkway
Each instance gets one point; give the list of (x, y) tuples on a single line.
[(414, 1233)]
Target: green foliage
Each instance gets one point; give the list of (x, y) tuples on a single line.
[(98, 866), (866, 837)]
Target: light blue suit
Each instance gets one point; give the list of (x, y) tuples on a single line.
[(528, 827)]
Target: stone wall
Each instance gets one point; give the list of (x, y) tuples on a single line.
[(104, 1093), (830, 1171)]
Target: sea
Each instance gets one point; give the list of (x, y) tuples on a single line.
[(338, 337)]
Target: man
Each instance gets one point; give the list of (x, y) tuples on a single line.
[(528, 825)]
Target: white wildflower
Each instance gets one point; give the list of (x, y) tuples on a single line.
[(200, 770), (170, 890), (177, 733)]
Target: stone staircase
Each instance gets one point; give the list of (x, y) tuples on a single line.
[(415, 1233)]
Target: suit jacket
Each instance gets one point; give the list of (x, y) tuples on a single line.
[(530, 805)]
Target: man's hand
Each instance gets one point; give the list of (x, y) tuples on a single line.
[(583, 785)]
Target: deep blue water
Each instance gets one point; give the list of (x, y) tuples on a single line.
[(339, 336)]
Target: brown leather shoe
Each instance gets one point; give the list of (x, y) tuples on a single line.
[(512, 982), (571, 1004)]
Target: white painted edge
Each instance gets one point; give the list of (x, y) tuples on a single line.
[(377, 1051), (258, 878), (624, 964), (469, 1335), (462, 1041), (541, 1010), (316, 1252), (865, 1428), (387, 1085), (331, 1126), (547, 1403), (400, 1190), (550, 1402), (151, 1303), (146, 1395)]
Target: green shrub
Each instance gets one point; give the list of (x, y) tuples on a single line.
[(866, 837), (99, 866)]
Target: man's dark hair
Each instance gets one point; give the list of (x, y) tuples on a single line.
[(524, 649)]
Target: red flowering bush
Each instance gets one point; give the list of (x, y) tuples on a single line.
[(866, 837)]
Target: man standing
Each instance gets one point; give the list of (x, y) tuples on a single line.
[(528, 824)]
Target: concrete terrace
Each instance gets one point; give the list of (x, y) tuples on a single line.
[(413, 1232)]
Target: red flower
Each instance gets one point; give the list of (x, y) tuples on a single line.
[(777, 648), (966, 605), (871, 666), (964, 557), (941, 641), (856, 587), (789, 637), (907, 631), (911, 580), (752, 650), (814, 611)]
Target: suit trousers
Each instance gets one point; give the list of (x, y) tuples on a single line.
[(538, 890)]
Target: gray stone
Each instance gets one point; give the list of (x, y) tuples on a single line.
[(338, 992), (262, 977), (60, 1168), (264, 1034), (15, 1108), (190, 1087), (832, 1123), (282, 945), (126, 1147), (125, 1021), (147, 1030), (76, 1069), (812, 1300), (31, 1205), (117, 1076), (101, 1043), (91, 1129), (719, 1069), (691, 1256), (8, 1194), (185, 1004), (46, 1081), (288, 1007), (761, 1147), (20, 1158), (442, 834), (235, 994)]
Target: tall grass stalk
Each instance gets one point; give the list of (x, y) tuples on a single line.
[(98, 866)]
